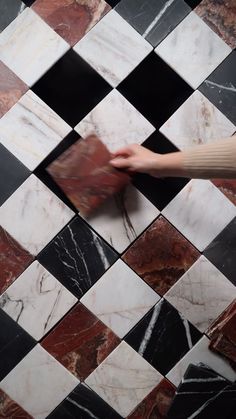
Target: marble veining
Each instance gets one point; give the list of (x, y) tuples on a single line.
[(10, 409), (77, 257), (163, 336), (80, 342), (123, 218), (134, 379), (33, 204), (36, 300), (128, 298), (200, 211), (31, 130), (196, 122), (227, 187), (22, 383), (161, 255), (201, 353), (113, 48), (116, 122), (71, 19), (193, 50), (202, 294), (28, 46)]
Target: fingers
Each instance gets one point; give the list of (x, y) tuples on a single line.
[(127, 151), (120, 163)]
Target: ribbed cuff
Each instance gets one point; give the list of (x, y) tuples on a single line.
[(217, 160)]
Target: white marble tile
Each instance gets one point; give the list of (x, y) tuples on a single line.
[(31, 130), (33, 215), (127, 298), (124, 379), (29, 47), (121, 219), (116, 122), (36, 300), (193, 50), (113, 48), (201, 294), (200, 212), (197, 121), (39, 383), (201, 353)]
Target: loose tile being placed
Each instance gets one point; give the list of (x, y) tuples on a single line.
[(11, 88), (12, 174), (201, 353), (14, 259), (134, 379), (161, 255), (113, 48), (152, 19), (9, 11), (227, 187), (200, 204), (156, 97), (36, 300), (157, 403), (221, 251), (116, 122), (38, 383), (85, 404), (196, 122), (123, 218), (80, 342), (29, 47), (163, 337), (71, 19), (220, 16), (15, 343), (77, 257), (127, 300), (10, 409), (31, 130), (78, 79), (201, 294), (193, 50), (220, 87), (84, 173), (33, 215)]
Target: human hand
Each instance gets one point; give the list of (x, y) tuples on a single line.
[(136, 158)]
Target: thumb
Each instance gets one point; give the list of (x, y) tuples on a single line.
[(120, 163)]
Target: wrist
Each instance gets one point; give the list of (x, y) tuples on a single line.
[(171, 164)]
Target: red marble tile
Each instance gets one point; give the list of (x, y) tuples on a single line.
[(80, 342), (227, 187), (229, 328), (161, 255), (220, 16), (84, 174), (14, 259), (215, 328), (10, 409), (11, 89), (223, 345), (156, 404), (71, 19)]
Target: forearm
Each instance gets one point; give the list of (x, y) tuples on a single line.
[(217, 160)]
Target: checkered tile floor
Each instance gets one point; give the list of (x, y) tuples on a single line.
[(100, 317)]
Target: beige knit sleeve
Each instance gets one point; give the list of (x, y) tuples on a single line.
[(216, 160)]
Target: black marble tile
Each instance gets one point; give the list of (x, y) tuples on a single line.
[(222, 250), (77, 257), (153, 19), (220, 87), (72, 88), (163, 337), (112, 3), (12, 174), (29, 2), (9, 10), (193, 3), (83, 403), (44, 176), (155, 89), (159, 191), (204, 395), (15, 343)]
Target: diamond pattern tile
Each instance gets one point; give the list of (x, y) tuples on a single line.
[(102, 312)]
